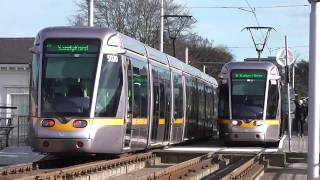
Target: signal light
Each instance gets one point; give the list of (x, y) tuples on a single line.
[(45, 144), (258, 123), (80, 144), (48, 123), (79, 123), (235, 123)]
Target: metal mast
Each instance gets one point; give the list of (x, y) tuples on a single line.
[(90, 13), (161, 25), (314, 91)]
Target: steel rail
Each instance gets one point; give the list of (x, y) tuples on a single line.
[(248, 170), (190, 168), (16, 169), (73, 171)]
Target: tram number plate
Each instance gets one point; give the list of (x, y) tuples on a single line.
[(112, 58)]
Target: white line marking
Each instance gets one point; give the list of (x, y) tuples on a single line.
[(193, 149), (281, 142), (271, 150)]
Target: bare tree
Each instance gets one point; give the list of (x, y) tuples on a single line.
[(139, 19)]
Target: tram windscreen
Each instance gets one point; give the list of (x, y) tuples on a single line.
[(248, 93), (69, 69)]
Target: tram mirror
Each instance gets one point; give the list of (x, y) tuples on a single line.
[(121, 51), (224, 81), (32, 50)]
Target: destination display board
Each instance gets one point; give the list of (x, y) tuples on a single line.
[(74, 46), (249, 74)]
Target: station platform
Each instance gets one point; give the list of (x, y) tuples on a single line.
[(295, 158), (295, 168), (297, 144), (291, 170), (17, 155)]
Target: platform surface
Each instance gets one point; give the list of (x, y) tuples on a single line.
[(297, 144), (18, 154), (296, 171), (24, 154)]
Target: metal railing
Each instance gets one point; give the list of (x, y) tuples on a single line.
[(13, 130)]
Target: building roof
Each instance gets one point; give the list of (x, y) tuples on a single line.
[(15, 50)]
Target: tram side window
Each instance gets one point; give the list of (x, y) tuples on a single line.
[(156, 93), (138, 88), (165, 75), (201, 95), (224, 101), (273, 98), (195, 101), (110, 87), (212, 103), (164, 92), (178, 95), (34, 83), (189, 98), (208, 102)]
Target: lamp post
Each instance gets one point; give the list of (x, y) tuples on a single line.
[(314, 89), (90, 13), (161, 25)]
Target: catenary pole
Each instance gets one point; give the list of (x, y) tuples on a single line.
[(187, 55), (293, 76), (314, 92), (90, 13), (161, 25), (288, 94)]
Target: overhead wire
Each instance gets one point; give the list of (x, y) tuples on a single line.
[(253, 10), (243, 7)]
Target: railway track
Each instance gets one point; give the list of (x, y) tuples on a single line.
[(145, 166)]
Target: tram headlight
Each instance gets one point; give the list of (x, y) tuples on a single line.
[(235, 123), (48, 123), (79, 123), (258, 123)]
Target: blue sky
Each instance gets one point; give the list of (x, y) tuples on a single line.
[(223, 26)]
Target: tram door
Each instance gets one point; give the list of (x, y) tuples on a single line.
[(177, 116), (159, 99), (137, 111)]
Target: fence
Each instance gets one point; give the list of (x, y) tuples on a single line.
[(13, 130)]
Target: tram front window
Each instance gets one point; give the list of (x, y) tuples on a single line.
[(248, 94), (69, 70)]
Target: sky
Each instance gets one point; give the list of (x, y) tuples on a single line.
[(223, 26)]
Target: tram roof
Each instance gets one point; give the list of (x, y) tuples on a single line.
[(122, 40), (255, 65), (132, 44), (156, 55), (75, 32), (250, 65)]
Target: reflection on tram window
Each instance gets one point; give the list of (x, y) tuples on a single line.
[(67, 85), (34, 83), (201, 97), (161, 97), (110, 86), (273, 98), (248, 96), (138, 88), (177, 94), (224, 101)]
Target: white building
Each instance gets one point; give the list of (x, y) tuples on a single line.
[(15, 59)]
